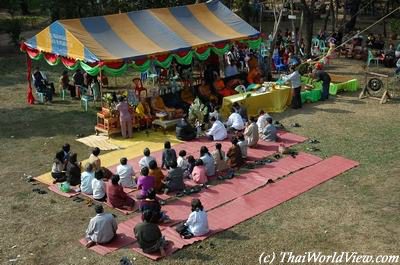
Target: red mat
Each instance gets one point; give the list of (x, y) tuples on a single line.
[(123, 239), (70, 194), (250, 205)]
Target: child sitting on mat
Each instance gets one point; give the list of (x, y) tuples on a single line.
[(199, 173), (99, 187), (183, 163), (219, 158), (145, 182), (116, 195), (242, 143), (168, 155), (174, 179), (144, 161), (158, 175), (235, 159), (196, 224), (151, 203), (192, 163), (149, 236), (57, 169)]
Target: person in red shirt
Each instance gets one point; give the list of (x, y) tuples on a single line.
[(117, 197)]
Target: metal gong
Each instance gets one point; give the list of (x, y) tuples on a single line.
[(375, 84)]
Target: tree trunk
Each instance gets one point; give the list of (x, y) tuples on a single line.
[(309, 14), (327, 18), (333, 19), (354, 6)]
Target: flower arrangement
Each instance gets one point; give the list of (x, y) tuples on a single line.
[(197, 112)]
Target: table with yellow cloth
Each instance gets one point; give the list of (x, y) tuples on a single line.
[(272, 101)]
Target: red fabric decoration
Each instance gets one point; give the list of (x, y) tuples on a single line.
[(52, 58), (182, 53), (68, 61), (160, 58), (220, 45), (114, 65), (32, 52), (30, 98), (202, 50)]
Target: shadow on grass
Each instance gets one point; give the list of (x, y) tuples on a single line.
[(45, 121), (231, 235)]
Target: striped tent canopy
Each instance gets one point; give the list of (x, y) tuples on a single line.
[(161, 34)]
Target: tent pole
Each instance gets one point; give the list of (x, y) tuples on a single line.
[(30, 98), (101, 86)]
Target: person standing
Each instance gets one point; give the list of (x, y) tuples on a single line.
[(294, 78), (125, 117), (321, 75)]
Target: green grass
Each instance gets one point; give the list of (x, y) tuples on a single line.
[(356, 211)]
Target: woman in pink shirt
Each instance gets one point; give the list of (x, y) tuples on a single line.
[(125, 117), (199, 172)]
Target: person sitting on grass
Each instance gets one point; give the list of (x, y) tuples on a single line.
[(145, 182), (149, 236), (174, 180), (208, 161), (235, 122), (150, 203), (217, 132), (183, 163), (196, 224), (219, 158), (102, 228), (117, 197), (235, 159), (126, 174), (57, 169), (99, 187), (73, 170), (168, 155), (242, 143), (158, 175), (199, 173), (251, 133), (87, 177), (270, 131), (144, 161)]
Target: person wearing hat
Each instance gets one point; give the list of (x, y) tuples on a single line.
[(321, 75), (102, 228), (196, 224)]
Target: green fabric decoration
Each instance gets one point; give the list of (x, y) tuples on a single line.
[(221, 51), (115, 72), (57, 62), (93, 71), (37, 57), (203, 56), (73, 67), (253, 44), (142, 68), (185, 60)]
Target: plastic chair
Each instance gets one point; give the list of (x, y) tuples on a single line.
[(372, 58), (322, 47), (85, 97), (138, 87), (279, 66)]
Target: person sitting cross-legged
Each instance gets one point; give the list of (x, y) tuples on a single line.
[(87, 177), (126, 174), (269, 132), (99, 187), (149, 236), (251, 133), (102, 228), (235, 159), (199, 172), (155, 171), (151, 203), (235, 122), (174, 179), (117, 197), (208, 161), (217, 131), (196, 224), (262, 120), (242, 143), (144, 161), (219, 158), (168, 155), (145, 182)]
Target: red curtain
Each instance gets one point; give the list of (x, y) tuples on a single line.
[(30, 98)]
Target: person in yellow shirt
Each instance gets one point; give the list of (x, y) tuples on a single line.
[(143, 112), (158, 105)]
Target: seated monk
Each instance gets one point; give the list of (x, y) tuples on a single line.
[(157, 104), (254, 76), (143, 112), (205, 93), (187, 95), (220, 88)]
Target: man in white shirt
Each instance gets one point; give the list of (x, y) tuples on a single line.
[(126, 174), (235, 122), (294, 78), (102, 228), (217, 131), (262, 120), (86, 179), (144, 161)]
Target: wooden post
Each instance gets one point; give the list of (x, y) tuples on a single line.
[(101, 86)]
